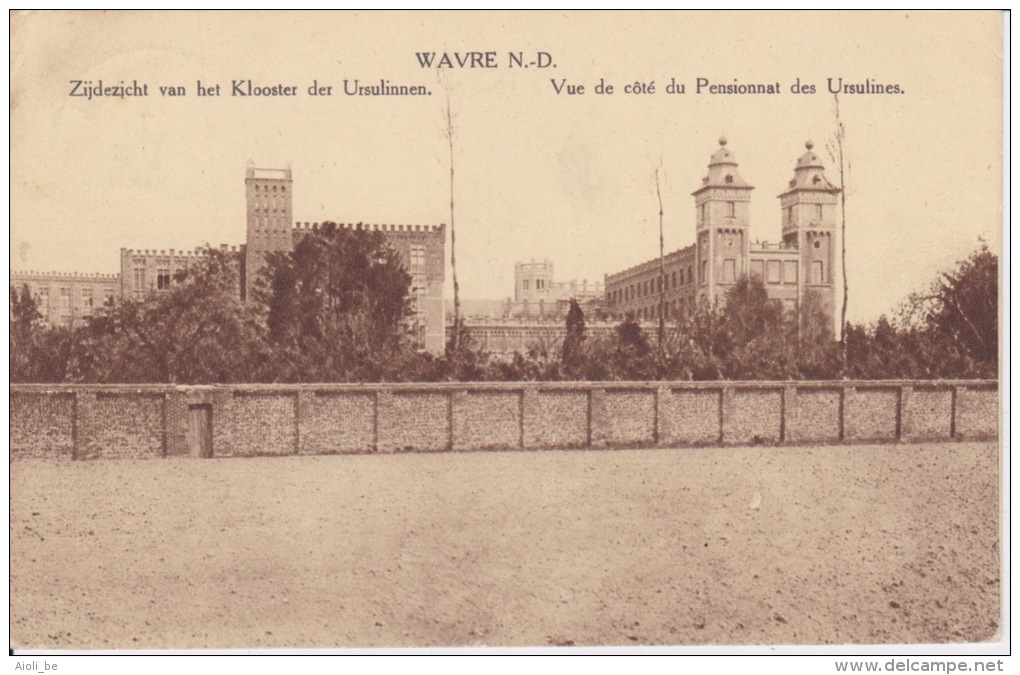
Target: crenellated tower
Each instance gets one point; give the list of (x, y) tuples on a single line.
[(268, 193)]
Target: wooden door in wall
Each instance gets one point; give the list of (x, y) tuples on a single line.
[(200, 430)]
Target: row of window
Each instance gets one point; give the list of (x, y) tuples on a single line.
[(775, 272), (791, 211), (731, 211), (786, 272), (642, 289), (539, 284), (265, 188), (42, 297), (162, 280), (671, 310)]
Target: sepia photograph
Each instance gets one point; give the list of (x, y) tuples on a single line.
[(579, 332)]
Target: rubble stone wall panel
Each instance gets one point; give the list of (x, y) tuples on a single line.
[(337, 423), (560, 420), (754, 416), (817, 415), (629, 417), (250, 424), (487, 419), (977, 414), (870, 414), (126, 426), (42, 425), (695, 414), (418, 420)]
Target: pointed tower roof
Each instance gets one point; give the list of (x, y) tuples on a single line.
[(809, 174), (722, 171)]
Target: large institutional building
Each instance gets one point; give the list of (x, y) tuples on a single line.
[(723, 251), (67, 299)]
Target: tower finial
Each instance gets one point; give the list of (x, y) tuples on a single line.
[(722, 140), (809, 145)]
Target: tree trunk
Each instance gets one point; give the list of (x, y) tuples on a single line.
[(455, 341), (662, 272)]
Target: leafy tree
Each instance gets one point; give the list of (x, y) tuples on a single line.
[(198, 331), (753, 335), (337, 308), (26, 335), (573, 343), (965, 313)]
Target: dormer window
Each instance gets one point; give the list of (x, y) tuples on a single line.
[(729, 178)]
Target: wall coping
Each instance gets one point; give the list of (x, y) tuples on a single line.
[(283, 388)]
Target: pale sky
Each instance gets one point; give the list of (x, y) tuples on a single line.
[(538, 175)]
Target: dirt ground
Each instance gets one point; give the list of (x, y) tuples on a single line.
[(796, 545)]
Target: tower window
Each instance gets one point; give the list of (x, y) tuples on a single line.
[(789, 214), (732, 209), (818, 244), (729, 270), (417, 259), (817, 272), (818, 211), (729, 178)]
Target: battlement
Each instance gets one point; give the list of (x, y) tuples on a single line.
[(772, 246), (260, 173), (198, 252), (371, 227), (534, 266), (63, 276)]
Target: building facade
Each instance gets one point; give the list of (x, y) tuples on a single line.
[(422, 249), (66, 298), (723, 251), (145, 271), (538, 295)]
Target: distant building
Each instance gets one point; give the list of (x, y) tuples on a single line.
[(63, 299), (422, 249), (538, 295), (723, 251), (144, 271), (68, 299)]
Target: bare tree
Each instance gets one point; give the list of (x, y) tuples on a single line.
[(455, 341), (837, 152), (662, 267)]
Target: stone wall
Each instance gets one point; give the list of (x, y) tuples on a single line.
[(86, 422)]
